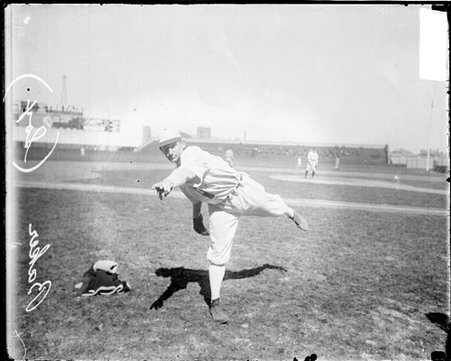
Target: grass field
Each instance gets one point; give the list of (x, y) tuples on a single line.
[(360, 286), (307, 190)]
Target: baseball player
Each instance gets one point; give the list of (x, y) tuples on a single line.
[(312, 162), (229, 157), (229, 193), (299, 162), (337, 160)]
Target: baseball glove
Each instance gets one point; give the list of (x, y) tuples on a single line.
[(198, 225)]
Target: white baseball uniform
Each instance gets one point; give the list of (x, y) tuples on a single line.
[(229, 194), (229, 157), (299, 162), (312, 161)]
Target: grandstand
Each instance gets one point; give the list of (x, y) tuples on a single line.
[(286, 152), (84, 138), (85, 145)]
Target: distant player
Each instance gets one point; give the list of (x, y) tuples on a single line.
[(203, 177), (299, 161), (229, 157), (337, 160), (312, 162)]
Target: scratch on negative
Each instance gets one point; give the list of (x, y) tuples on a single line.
[(22, 344)]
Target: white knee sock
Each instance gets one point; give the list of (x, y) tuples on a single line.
[(216, 275)]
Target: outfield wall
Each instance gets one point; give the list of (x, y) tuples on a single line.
[(248, 154), (287, 153)]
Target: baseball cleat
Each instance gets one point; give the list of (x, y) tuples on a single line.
[(300, 221), (217, 313)]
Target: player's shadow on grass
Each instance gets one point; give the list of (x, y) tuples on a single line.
[(443, 322), (180, 277), (440, 319)]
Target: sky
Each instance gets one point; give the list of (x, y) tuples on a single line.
[(333, 74)]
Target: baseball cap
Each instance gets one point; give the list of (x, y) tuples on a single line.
[(169, 136), (105, 265)]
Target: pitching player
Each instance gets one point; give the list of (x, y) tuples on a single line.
[(229, 193), (312, 162)]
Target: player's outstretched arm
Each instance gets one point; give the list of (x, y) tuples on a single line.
[(177, 178), (163, 188)]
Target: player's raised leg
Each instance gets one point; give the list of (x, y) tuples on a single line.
[(251, 199), (300, 221)]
